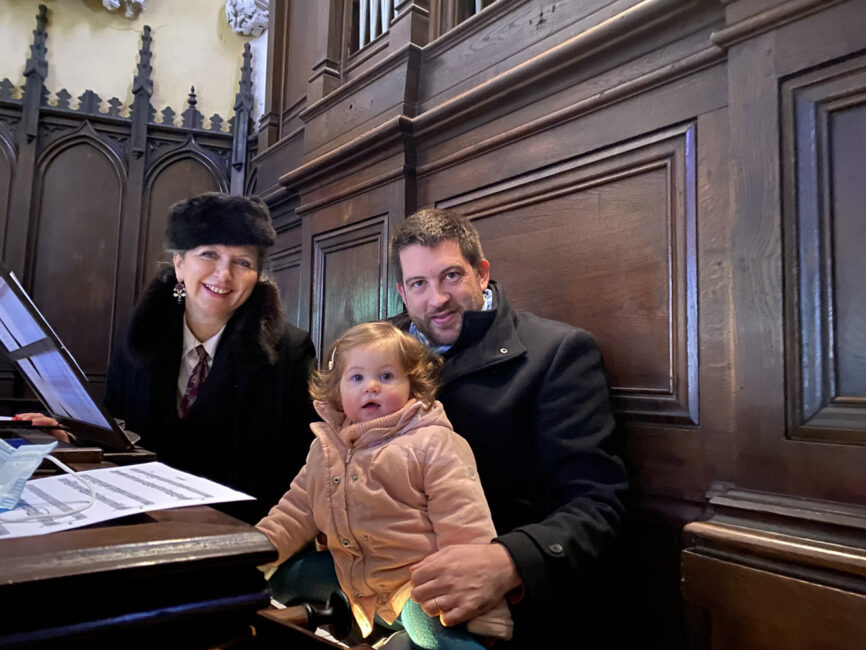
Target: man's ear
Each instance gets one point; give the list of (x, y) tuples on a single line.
[(483, 272), (400, 291)]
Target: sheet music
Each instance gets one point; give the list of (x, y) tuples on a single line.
[(58, 503)]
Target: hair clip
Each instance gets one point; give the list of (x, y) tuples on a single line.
[(331, 360)]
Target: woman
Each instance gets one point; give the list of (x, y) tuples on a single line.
[(237, 413)]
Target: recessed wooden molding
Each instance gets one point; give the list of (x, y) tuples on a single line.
[(821, 542), (666, 157), (823, 368), (666, 74), (350, 295), (386, 65), (768, 20), (285, 259), (361, 148), (380, 137), (626, 24)]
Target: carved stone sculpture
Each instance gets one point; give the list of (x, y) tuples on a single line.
[(133, 7), (247, 16)]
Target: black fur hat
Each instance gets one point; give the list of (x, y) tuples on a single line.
[(217, 218)]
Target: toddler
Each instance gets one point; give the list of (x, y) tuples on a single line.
[(388, 482)]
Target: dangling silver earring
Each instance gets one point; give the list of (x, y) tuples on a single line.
[(179, 292)]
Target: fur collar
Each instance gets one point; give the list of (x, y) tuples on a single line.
[(253, 333)]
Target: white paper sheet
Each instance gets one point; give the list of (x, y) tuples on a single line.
[(117, 492)]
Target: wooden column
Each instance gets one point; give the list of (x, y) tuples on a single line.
[(17, 243), (278, 33), (137, 160), (325, 76), (412, 23), (241, 130)]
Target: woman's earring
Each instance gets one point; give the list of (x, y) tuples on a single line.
[(179, 292)]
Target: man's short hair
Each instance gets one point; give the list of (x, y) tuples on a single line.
[(429, 228)]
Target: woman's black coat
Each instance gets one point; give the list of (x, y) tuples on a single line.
[(249, 426)]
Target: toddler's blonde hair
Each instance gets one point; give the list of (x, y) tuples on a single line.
[(419, 364)]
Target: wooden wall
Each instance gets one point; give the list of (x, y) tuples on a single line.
[(84, 195), (682, 178)]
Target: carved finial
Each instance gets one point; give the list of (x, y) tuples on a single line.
[(142, 81), (6, 88), (244, 98), (89, 102), (36, 69), (192, 117), (168, 116), (240, 124), (142, 90), (114, 106), (37, 63), (63, 98)]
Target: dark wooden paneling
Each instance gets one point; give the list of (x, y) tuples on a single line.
[(7, 167), (73, 269), (349, 275), (683, 179), (617, 232), (285, 266), (84, 193), (848, 129), (824, 134), (181, 177), (755, 610)]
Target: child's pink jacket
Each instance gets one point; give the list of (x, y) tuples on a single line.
[(387, 493)]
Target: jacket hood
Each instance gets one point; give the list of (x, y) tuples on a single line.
[(412, 416), (255, 329)]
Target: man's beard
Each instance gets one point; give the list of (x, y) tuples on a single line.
[(427, 329)]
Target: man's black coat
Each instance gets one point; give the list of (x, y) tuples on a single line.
[(531, 397)]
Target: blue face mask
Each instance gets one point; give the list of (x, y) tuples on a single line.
[(16, 467)]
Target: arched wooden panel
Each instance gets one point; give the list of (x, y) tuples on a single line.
[(7, 165), (74, 259), (177, 179)]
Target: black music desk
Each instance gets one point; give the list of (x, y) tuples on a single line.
[(180, 578)]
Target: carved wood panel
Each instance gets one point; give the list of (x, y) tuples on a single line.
[(286, 270), (824, 135), (84, 192), (182, 176), (349, 279), (73, 270), (7, 166), (614, 232)]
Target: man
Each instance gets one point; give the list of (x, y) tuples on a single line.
[(530, 396)]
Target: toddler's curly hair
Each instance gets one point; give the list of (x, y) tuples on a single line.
[(419, 364)]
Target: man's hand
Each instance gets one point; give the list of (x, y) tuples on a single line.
[(462, 581)]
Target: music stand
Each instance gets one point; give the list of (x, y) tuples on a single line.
[(51, 371)]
